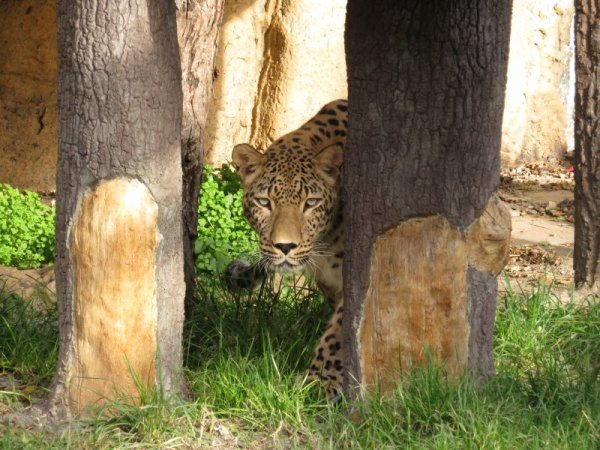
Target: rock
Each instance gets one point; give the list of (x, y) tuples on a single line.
[(222, 430)]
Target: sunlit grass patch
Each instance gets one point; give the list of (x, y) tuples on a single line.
[(245, 359)]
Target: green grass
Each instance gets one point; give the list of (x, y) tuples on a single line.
[(28, 337), (245, 357)]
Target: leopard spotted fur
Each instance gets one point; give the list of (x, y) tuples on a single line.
[(292, 200)]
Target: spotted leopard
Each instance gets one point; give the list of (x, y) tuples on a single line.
[(292, 200)]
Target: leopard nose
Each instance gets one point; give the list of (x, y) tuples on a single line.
[(285, 248)]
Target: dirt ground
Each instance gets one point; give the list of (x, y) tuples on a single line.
[(540, 197)]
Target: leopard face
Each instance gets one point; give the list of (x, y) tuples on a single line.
[(291, 199)]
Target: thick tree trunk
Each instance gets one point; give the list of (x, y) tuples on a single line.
[(119, 258), (425, 233), (198, 24), (586, 257)]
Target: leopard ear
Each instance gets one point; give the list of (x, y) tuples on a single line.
[(329, 161), (249, 162)]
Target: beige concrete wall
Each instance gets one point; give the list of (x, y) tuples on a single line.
[(539, 95), (278, 62)]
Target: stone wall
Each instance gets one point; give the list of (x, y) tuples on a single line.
[(28, 91), (278, 62)]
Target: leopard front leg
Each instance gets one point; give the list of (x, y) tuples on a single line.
[(327, 365)]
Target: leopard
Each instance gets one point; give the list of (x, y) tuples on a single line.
[(292, 199)]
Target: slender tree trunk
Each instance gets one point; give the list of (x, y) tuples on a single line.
[(425, 233), (586, 256), (198, 24), (119, 258)]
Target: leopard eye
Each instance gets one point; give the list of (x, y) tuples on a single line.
[(264, 202), (311, 203)]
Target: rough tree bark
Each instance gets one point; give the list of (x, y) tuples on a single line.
[(586, 256), (119, 258), (427, 233), (198, 24)]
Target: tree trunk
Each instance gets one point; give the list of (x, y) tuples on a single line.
[(586, 256), (421, 165), (119, 258), (198, 24)]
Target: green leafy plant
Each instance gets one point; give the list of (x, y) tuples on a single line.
[(223, 232), (26, 229), (27, 225)]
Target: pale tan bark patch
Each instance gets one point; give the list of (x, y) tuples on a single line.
[(416, 301), (114, 241)]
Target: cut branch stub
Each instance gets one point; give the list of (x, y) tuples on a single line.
[(489, 237)]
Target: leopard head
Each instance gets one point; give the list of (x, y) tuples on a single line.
[(291, 198)]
